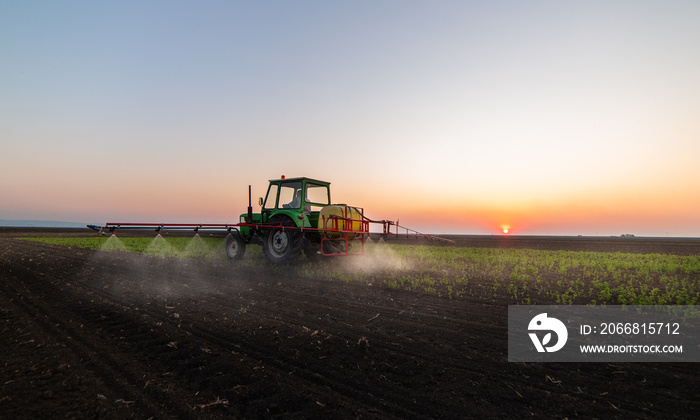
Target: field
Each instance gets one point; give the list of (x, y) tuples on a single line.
[(166, 328)]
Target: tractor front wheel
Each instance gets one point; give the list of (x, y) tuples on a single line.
[(235, 247), (281, 245)]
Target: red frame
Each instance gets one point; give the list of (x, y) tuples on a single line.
[(345, 234)]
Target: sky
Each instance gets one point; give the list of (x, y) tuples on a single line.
[(464, 117)]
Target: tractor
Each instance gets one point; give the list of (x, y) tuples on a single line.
[(297, 216)]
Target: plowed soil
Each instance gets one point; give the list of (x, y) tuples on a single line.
[(91, 334)]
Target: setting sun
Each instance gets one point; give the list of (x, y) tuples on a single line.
[(505, 230)]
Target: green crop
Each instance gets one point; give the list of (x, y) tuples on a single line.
[(543, 277)]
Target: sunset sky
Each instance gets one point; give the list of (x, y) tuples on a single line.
[(543, 117)]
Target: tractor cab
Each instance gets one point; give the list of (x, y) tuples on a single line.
[(294, 199)]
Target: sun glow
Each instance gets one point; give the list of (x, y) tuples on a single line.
[(505, 230)]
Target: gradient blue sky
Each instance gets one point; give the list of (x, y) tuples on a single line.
[(548, 117)]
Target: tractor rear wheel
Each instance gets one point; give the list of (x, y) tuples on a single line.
[(282, 245), (235, 247)]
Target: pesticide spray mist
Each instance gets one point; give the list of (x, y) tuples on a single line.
[(163, 270), (378, 257)]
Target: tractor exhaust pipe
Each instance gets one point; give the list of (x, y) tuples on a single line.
[(250, 206)]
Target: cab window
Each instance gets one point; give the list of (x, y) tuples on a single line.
[(271, 198), (317, 194)]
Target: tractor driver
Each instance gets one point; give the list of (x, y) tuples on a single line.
[(296, 201)]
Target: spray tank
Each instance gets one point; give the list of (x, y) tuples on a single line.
[(339, 219)]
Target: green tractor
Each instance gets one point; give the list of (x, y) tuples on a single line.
[(297, 216)]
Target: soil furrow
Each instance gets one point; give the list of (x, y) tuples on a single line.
[(245, 344), (121, 380)]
